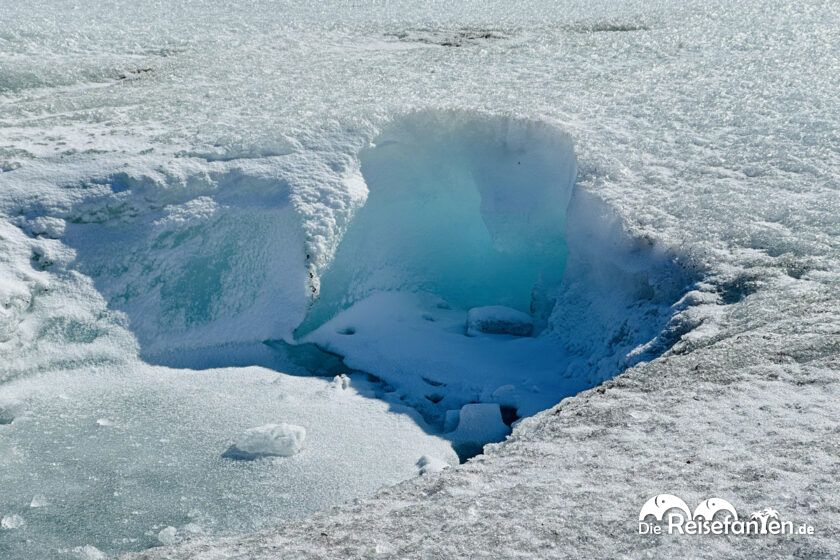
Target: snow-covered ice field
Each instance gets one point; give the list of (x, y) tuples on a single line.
[(269, 268)]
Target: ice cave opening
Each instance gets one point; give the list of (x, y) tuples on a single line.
[(473, 212), (479, 285)]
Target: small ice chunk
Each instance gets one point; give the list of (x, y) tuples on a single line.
[(88, 552), (13, 521), (480, 423), (38, 501), (9, 410), (168, 536), (6, 166), (431, 465), (341, 382), (281, 440), (498, 319)]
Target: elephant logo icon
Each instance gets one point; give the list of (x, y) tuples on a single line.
[(708, 508), (705, 510), (658, 505)]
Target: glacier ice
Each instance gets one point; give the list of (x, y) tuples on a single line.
[(470, 208), (222, 263), (38, 501), (181, 184), (9, 409), (478, 424)]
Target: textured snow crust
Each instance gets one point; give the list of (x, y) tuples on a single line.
[(217, 148), (121, 455), (758, 428)]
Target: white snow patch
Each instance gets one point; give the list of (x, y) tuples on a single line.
[(13, 521)]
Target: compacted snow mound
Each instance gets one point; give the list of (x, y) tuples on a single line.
[(194, 260), (88, 552), (277, 440)]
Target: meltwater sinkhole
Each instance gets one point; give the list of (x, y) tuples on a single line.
[(466, 284)]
